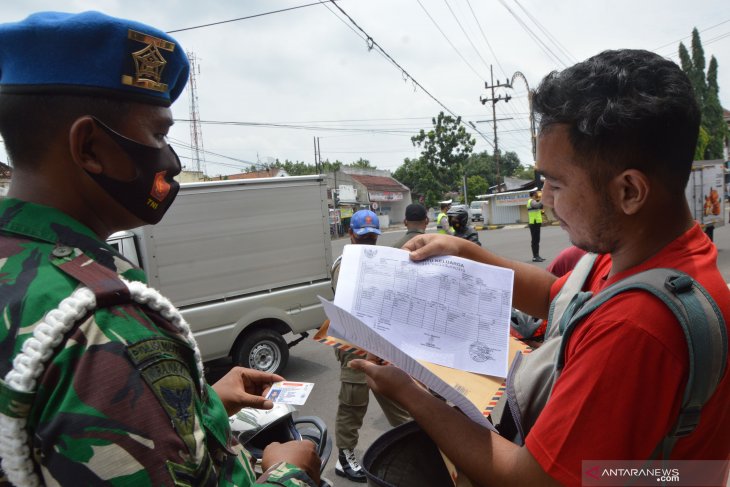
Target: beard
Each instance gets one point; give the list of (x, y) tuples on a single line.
[(603, 233)]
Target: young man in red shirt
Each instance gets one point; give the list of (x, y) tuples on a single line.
[(617, 138)]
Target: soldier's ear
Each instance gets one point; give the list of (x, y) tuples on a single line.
[(84, 141)]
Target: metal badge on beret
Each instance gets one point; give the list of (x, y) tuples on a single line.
[(149, 62)]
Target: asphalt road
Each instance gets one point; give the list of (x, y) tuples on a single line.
[(313, 362)]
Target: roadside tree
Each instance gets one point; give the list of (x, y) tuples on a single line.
[(713, 129), (446, 148), (423, 180)]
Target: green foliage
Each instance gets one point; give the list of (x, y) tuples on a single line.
[(476, 185), (423, 180), (712, 114), (447, 146), (300, 168), (439, 170), (703, 140), (525, 172), (713, 129), (483, 164), (362, 164), (684, 58), (427, 180)]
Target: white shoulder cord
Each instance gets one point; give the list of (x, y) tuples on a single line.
[(29, 364)]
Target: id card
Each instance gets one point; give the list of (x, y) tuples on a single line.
[(295, 393)]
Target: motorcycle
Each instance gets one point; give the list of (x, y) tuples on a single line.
[(256, 428)]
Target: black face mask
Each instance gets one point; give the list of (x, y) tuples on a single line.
[(149, 195)]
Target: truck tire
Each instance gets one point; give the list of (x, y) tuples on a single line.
[(264, 350)]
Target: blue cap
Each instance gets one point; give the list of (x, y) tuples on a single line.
[(91, 54), (365, 221)]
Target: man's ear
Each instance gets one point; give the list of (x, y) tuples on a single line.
[(83, 141), (632, 190)]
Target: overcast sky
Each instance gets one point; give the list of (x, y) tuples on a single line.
[(308, 73)]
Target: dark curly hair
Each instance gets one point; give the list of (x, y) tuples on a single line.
[(625, 109)]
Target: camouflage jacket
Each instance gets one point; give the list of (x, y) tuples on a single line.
[(119, 402)]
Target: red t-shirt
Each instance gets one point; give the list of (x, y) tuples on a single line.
[(625, 373), (565, 261)]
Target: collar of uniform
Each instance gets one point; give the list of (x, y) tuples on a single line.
[(35, 221)]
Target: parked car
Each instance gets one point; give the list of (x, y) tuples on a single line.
[(475, 209)]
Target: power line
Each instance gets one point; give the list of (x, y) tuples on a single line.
[(371, 44), (324, 3), (465, 34), (366, 151), (716, 38), (705, 42), (486, 41), (481, 78), (243, 18), (687, 37), (510, 108), (374, 44), (547, 33), (545, 48), (180, 143), (300, 127)]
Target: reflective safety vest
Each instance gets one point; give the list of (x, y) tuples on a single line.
[(534, 214), (440, 217)]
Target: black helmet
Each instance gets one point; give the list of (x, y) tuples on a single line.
[(458, 215)]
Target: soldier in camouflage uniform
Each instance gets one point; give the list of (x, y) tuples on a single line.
[(121, 399)]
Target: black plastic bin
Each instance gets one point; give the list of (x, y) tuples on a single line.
[(405, 457)]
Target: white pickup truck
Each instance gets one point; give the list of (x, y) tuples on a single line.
[(244, 261)]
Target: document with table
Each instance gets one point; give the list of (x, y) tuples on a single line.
[(445, 310)]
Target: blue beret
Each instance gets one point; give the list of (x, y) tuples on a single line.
[(91, 54)]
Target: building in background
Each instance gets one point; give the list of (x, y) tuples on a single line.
[(272, 172), (350, 189)]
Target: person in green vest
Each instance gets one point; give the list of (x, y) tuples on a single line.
[(442, 220), (534, 214)]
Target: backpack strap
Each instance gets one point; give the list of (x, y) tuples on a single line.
[(704, 329), (108, 289), (566, 296)]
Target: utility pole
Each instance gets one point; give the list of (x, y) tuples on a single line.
[(316, 160), (196, 132), (494, 101), (466, 200)]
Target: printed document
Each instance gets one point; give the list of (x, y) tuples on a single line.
[(360, 334), (445, 310)]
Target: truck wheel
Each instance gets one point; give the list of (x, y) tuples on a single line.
[(263, 350)]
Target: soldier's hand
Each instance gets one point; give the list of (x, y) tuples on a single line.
[(432, 244), (242, 387), (299, 453)]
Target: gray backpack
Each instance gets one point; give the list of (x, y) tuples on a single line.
[(532, 376)]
